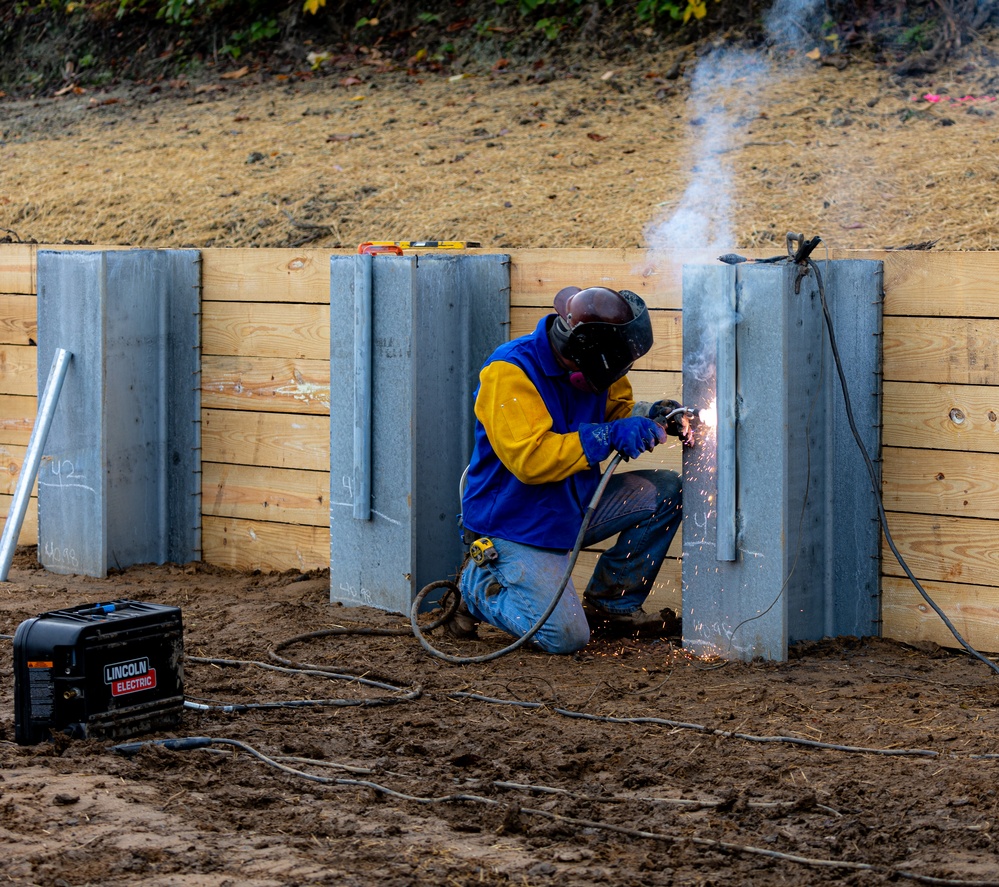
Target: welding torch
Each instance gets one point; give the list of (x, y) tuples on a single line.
[(687, 417)]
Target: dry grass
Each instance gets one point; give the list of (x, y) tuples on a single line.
[(597, 160)]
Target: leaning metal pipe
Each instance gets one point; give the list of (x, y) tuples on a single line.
[(725, 392), (362, 385), (32, 459)]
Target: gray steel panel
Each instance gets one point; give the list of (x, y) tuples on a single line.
[(434, 320), (807, 540), (71, 485), (855, 292), (120, 483)]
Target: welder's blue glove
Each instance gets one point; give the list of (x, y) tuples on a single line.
[(630, 437)]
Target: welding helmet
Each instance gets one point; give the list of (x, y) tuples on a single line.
[(602, 331)]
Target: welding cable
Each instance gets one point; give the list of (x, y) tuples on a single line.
[(701, 728), (873, 474), (556, 597), (204, 742), (348, 630), (400, 693)]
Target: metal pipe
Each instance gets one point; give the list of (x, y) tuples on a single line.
[(362, 385), (29, 469), (725, 392)]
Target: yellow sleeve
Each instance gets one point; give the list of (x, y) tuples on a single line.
[(519, 427), (620, 400)]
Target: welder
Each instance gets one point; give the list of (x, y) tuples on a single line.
[(549, 408)]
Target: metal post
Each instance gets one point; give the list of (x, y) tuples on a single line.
[(725, 392), (362, 386), (32, 459)]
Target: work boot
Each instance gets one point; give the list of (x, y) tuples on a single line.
[(638, 623), (462, 624)]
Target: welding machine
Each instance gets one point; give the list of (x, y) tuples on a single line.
[(98, 671)]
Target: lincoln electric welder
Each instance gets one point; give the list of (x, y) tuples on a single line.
[(98, 670)]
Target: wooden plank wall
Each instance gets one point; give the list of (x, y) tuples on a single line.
[(941, 444), (18, 386), (265, 419), (267, 397)]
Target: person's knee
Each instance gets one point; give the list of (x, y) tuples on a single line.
[(563, 639), (669, 488)]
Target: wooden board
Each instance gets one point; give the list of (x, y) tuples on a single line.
[(270, 384), (940, 284), (972, 609), (667, 331), (11, 460), (29, 526), (953, 350), (919, 414), (18, 320), (252, 545), (265, 275), (253, 329), (536, 275), (17, 418), (941, 482), (944, 549), (19, 369), (665, 593), (280, 440), (265, 494), (656, 386), (17, 268)]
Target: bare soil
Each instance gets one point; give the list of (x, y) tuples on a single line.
[(630, 763), (859, 761)]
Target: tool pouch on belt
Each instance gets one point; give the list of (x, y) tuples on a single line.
[(482, 551)]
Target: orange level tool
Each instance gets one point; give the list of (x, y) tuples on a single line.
[(397, 246)]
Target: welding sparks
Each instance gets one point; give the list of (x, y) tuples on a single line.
[(709, 415)]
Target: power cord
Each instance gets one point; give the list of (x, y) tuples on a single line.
[(671, 838), (873, 474), (556, 597), (455, 594)]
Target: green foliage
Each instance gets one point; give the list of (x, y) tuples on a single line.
[(919, 36), (256, 32), (656, 10), (552, 17)]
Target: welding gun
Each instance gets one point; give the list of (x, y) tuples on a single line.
[(677, 419)]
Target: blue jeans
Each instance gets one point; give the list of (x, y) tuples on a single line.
[(512, 592)]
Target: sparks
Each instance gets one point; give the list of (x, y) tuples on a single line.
[(709, 415)]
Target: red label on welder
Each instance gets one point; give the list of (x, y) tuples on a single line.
[(136, 684)]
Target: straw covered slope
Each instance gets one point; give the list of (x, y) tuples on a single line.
[(712, 148)]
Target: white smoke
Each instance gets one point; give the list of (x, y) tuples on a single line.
[(724, 87), (722, 91), (792, 22)]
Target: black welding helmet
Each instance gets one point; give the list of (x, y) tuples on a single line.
[(602, 331)]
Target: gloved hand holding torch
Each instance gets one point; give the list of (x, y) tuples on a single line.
[(673, 416)]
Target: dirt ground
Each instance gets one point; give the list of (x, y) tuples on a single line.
[(630, 763), (859, 761)]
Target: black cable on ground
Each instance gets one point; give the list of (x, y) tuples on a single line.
[(700, 728), (399, 692), (204, 742), (873, 474), (534, 629)]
